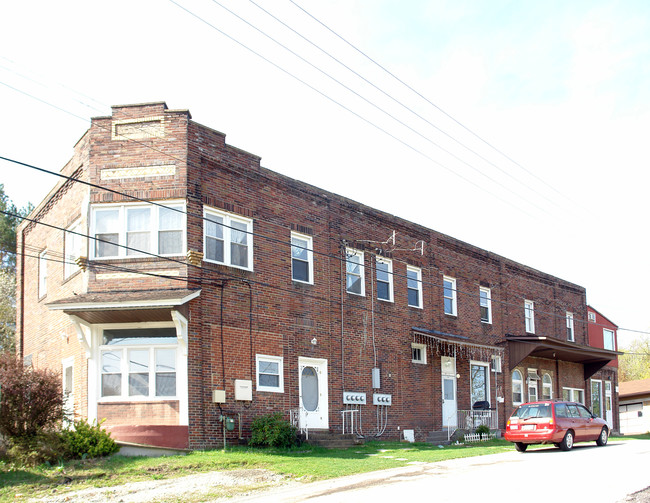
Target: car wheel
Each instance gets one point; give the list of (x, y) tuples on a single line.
[(567, 441), (603, 437), (521, 447)]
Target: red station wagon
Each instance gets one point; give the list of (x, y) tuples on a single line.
[(554, 422)]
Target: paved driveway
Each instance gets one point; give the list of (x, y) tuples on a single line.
[(587, 474)]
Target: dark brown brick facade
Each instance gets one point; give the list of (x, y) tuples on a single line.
[(242, 313)]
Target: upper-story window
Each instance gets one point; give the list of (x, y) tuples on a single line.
[(42, 273), (302, 261), (72, 249), (592, 316), (228, 239), (414, 286), (529, 315), (354, 269), (384, 268), (131, 230), (485, 300), (449, 295), (608, 339), (570, 333)]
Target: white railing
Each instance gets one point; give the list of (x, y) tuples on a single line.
[(294, 419), (348, 417), (472, 419), (477, 437)]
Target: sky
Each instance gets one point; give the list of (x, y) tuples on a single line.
[(517, 126)]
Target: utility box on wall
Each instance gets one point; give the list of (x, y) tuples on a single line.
[(219, 396), (243, 390)]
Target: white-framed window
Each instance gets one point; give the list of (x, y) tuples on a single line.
[(479, 382), (449, 295), (136, 229), (573, 395), (532, 381), (592, 316), (72, 249), (302, 258), (414, 286), (138, 364), (227, 239), (529, 315), (485, 301), (42, 274), (384, 270), (418, 353), (517, 388), (608, 339), (570, 333), (547, 387), (354, 272), (270, 373)]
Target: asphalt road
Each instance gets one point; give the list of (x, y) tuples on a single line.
[(586, 474)]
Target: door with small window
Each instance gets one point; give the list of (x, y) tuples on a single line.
[(608, 404), (312, 381), (449, 406)]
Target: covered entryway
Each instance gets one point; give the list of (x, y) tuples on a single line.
[(312, 378)]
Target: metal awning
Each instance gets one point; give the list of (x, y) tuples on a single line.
[(443, 342), (125, 307), (541, 346)]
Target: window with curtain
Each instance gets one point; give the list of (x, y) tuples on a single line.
[(227, 239), (131, 230)]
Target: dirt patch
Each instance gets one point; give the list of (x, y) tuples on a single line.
[(189, 488)]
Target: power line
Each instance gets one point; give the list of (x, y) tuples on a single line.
[(406, 107), (427, 100)]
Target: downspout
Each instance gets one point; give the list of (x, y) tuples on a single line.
[(22, 295)]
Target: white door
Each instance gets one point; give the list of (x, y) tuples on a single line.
[(608, 404), (449, 408), (312, 380), (68, 390)]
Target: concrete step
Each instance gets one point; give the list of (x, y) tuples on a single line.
[(438, 437), (331, 439)]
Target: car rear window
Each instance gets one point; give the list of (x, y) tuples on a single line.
[(533, 410)]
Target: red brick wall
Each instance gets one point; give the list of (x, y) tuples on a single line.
[(264, 312)]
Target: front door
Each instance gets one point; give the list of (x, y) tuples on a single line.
[(313, 393), (448, 364), (608, 404)]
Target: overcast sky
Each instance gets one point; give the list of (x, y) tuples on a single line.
[(560, 88)]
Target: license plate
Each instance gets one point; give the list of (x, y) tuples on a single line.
[(528, 427)]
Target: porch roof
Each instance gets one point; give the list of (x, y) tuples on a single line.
[(125, 307), (444, 341), (541, 346)]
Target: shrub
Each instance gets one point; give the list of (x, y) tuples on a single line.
[(272, 431), (88, 440), (483, 429), (31, 400), (33, 450)]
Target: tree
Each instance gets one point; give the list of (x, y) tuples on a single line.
[(7, 310), (635, 363), (8, 225)]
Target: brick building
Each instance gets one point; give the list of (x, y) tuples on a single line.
[(185, 282), (603, 385)]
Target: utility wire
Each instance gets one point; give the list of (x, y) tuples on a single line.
[(406, 107), (348, 109), (427, 100), (377, 107)]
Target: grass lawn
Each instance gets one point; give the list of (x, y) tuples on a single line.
[(304, 463)]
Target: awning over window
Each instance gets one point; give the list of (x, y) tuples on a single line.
[(593, 359), (455, 345), (125, 307)]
